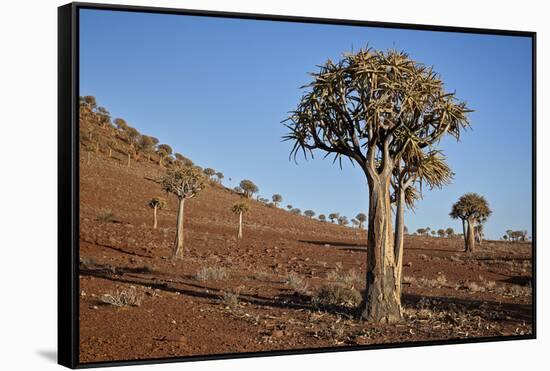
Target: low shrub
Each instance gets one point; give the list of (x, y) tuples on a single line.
[(211, 273), (123, 298), (337, 295)]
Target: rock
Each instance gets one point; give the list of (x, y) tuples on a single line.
[(95, 307), (277, 334), (409, 264)]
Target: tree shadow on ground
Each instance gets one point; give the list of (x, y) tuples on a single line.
[(283, 301), (513, 311), (118, 249), (519, 280), (349, 246), (292, 300)]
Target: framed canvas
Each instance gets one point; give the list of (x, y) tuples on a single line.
[(242, 185)]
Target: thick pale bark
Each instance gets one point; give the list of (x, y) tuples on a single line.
[(381, 302), (177, 252), (240, 233), (470, 240), (110, 152), (88, 158), (154, 217), (399, 238)]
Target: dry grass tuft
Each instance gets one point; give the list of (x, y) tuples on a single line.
[(106, 215), (129, 297), (337, 295), (297, 283), (211, 273)]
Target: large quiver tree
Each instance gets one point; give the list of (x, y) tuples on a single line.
[(185, 183), (372, 107)]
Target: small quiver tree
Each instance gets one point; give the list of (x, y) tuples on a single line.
[(277, 198), (185, 183), (156, 203), (361, 218), (473, 210), (309, 213), (248, 187), (240, 209)]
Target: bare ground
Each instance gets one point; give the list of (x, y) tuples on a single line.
[(257, 307)]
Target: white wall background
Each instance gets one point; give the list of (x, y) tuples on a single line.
[(28, 98)]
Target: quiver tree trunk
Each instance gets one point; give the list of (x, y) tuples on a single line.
[(470, 238), (110, 152), (399, 238), (381, 303), (177, 251), (240, 232), (155, 217)]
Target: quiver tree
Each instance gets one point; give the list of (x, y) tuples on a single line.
[(478, 233), (163, 150), (371, 107), (156, 203), (309, 213), (343, 220), (248, 187), (322, 217), (219, 176), (355, 222), (111, 144), (361, 218), (183, 160), (146, 144), (121, 124), (277, 198), (103, 117), (441, 232), (333, 217), (133, 136), (473, 210), (185, 183), (240, 209), (209, 172), (450, 232), (289, 207), (415, 168)]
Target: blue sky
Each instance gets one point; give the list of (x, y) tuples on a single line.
[(216, 90)]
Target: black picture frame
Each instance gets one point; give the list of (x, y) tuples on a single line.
[(68, 178)]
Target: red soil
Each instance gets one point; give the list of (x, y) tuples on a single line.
[(447, 294)]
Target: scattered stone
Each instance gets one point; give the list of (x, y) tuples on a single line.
[(277, 334)]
